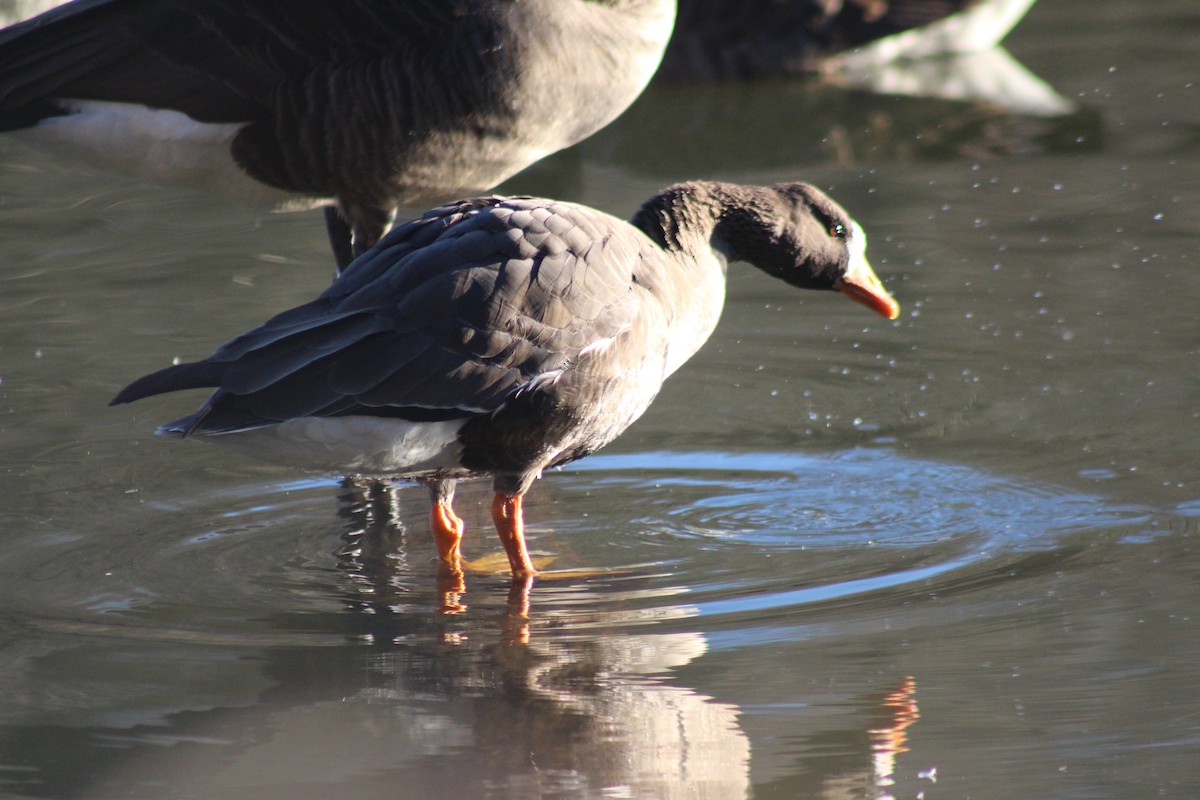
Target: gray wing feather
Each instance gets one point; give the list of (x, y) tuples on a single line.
[(458, 325), (217, 60)]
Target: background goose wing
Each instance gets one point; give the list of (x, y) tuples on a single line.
[(215, 60)]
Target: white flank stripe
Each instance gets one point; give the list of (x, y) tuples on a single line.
[(352, 445)]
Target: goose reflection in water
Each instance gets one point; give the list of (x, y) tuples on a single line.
[(365, 698), (445, 707)]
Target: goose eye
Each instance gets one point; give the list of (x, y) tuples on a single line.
[(837, 230)]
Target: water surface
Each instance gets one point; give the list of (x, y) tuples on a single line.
[(944, 557)]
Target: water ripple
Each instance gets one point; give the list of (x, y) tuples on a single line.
[(741, 544)]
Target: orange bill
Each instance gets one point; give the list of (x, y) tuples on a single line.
[(861, 284)]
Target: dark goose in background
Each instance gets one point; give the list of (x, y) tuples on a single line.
[(374, 103), (386, 103), (975, 103), (502, 336), (746, 39)]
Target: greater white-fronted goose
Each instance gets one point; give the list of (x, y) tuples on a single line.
[(374, 103), (501, 336)]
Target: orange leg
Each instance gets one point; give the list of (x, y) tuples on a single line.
[(510, 524), (447, 533)]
